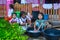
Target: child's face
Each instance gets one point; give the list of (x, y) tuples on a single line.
[(40, 16), (14, 15), (23, 16)]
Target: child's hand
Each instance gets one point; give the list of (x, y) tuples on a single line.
[(48, 25), (35, 30)]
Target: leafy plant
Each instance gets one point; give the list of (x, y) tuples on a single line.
[(4, 23), (11, 31)]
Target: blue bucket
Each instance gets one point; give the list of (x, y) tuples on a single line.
[(46, 16)]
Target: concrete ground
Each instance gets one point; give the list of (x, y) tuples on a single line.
[(40, 38)]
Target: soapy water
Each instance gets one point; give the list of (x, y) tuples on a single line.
[(33, 31)]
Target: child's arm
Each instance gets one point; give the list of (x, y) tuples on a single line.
[(34, 26), (29, 22), (48, 25), (17, 20), (40, 26), (23, 24)]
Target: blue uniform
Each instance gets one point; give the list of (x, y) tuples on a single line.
[(38, 23)]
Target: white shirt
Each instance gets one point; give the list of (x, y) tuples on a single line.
[(14, 20), (29, 16), (10, 11), (23, 20)]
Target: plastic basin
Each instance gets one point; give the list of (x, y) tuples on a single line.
[(52, 34)]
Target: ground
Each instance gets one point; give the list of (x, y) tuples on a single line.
[(40, 38)]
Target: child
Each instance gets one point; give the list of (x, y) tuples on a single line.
[(14, 19), (10, 11), (30, 15), (40, 24), (24, 19)]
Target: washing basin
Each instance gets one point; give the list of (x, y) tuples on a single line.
[(52, 34)]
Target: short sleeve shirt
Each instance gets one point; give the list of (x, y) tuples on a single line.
[(38, 23), (14, 20)]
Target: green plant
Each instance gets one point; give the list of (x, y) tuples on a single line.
[(18, 28), (11, 31), (4, 23)]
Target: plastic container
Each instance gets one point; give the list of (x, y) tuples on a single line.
[(52, 34), (32, 33), (46, 16)]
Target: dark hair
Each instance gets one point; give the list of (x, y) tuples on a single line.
[(14, 13), (41, 14), (11, 6), (22, 12)]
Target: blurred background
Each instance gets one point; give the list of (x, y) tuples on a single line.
[(50, 7)]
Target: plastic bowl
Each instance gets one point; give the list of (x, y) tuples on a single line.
[(33, 33), (52, 34)]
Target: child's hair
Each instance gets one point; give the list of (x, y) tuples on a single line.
[(11, 6), (14, 13), (41, 14), (22, 12)]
